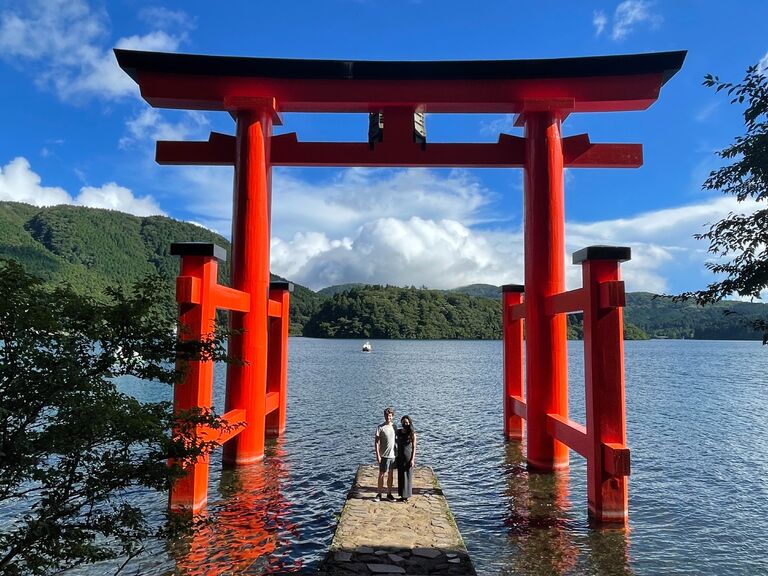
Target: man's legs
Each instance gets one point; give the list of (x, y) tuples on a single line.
[(389, 484), (381, 481)]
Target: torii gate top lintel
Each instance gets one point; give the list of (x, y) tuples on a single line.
[(596, 83)]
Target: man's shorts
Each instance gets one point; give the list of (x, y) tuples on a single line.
[(386, 464)]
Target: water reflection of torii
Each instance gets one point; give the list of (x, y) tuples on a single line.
[(542, 92)]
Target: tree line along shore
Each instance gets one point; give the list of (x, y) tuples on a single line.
[(92, 249)]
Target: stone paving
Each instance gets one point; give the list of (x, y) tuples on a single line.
[(414, 537)]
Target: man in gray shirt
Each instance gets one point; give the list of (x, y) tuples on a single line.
[(384, 446)]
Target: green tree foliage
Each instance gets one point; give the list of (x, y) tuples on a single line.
[(391, 312), (740, 241), (73, 446), (671, 318)]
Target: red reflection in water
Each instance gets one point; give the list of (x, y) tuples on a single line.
[(537, 518), (538, 526), (245, 530)]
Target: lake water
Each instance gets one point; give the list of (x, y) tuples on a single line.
[(697, 430)]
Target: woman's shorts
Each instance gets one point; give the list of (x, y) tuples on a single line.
[(386, 464)]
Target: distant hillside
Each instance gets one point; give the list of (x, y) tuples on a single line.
[(480, 290), (392, 312), (92, 248), (336, 288), (664, 318), (650, 316)]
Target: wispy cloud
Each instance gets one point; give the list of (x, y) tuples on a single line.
[(705, 112), (19, 183), (599, 21), (66, 46), (762, 66), (626, 18), (498, 125), (149, 125)]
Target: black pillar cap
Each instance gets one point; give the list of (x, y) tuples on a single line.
[(513, 288), (281, 285), (199, 249), (618, 253)]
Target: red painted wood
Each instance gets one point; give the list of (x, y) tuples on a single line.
[(569, 432), (590, 94), (546, 353), (219, 150), (247, 381), (188, 290), (616, 460), (235, 420), (197, 315), (513, 363), (230, 299), (605, 396), (275, 309), (509, 152), (611, 294), (272, 402), (518, 406), (571, 301), (579, 152), (277, 368)]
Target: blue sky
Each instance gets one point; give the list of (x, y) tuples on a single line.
[(76, 131)]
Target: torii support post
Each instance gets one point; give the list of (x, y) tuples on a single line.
[(247, 380), (546, 350), (607, 454), (199, 295), (277, 366), (513, 312)]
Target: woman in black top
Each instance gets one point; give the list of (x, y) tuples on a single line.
[(406, 456)]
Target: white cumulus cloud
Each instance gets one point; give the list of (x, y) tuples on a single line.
[(116, 197), (438, 254), (18, 183), (66, 45)]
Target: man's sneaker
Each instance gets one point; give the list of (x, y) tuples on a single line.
[(377, 498), (390, 497)]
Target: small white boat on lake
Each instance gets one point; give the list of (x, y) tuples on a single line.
[(367, 347)]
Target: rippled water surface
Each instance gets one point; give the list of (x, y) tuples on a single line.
[(697, 431)]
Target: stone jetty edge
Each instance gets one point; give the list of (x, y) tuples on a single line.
[(417, 537)]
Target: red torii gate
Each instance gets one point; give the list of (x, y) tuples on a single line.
[(543, 93)]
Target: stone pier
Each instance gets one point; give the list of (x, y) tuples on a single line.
[(415, 537)]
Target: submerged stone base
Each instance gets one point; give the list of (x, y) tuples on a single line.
[(415, 537)]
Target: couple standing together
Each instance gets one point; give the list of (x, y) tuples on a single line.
[(395, 448)]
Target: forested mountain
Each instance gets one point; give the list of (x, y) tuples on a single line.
[(665, 318), (392, 312), (92, 249), (336, 288), (482, 290)]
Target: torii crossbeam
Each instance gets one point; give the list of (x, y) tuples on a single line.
[(255, 91)]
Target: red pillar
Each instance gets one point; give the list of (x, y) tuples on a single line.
[(546, 352), (247, 382), (277, 367), (608, 458), (512, 294), (195, 289)]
